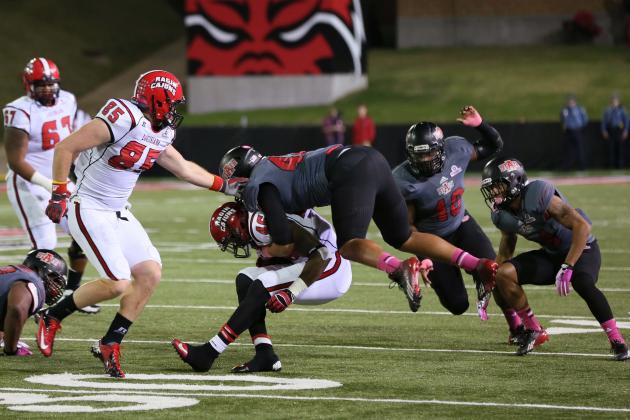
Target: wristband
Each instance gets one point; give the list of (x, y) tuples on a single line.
[(217, 183), (42, 181), (60, 187), (297, 286)]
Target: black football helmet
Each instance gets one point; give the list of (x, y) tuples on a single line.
[(424, 146), (239, 162), (502, 180), (52, 269), (228, 227)]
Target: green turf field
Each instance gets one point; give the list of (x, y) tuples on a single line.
[(389, 362)]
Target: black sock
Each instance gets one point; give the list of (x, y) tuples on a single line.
[(65, 307), (117, 330), (74, 279)]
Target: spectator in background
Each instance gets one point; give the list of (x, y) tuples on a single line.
[(615, 131), (363, 130), (333, 128), (574, 118)]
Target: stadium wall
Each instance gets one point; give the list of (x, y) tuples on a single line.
[(432, 23), (538, 145)]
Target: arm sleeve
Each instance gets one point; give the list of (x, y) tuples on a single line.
[(277, 221), (490, 142)]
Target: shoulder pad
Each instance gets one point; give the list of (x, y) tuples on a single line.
[(120, 115)]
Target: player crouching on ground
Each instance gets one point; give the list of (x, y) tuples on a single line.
[(23, 290), (569, 255), (315, 275)]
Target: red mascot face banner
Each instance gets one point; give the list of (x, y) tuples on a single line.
[(274, 37)]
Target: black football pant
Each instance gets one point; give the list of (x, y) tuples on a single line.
[(539, 267), (363, 189), (446, 279)]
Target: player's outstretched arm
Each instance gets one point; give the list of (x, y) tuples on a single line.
[(490, 143), (186, 170), (19, 303)]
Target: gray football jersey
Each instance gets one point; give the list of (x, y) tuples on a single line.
[(300, 178), (533, 222), (438, 200), (12, 273)]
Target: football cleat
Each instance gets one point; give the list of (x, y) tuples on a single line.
[(109, 354), (90, 309), (262, 362), (619, 349), (195, 356), (406, 277), (530, 340), (48, 327), (516, 335)]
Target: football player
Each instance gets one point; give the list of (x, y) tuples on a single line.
[(124, 139), (569, 256), (34, 124), (358, 185), (23, 290), (315, 274), (432, 182)]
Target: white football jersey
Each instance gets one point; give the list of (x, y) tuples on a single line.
[(45, 125), (311, 221), (107, 174)]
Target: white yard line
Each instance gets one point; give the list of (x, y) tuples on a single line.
[(342, 399), (352, 311), (384, 283), (363, 348)]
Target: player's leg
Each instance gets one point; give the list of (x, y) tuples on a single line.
[(584, 279), (470, 237), (95, 231), (448, 285), (76, 267), (265, 357), (28, 202), (533, 267), (333, 283), (201, 358)]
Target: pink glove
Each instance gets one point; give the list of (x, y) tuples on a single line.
[(563, 279), (426, 266), (470, 116)]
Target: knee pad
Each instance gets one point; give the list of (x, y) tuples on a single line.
[(75, 252)]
